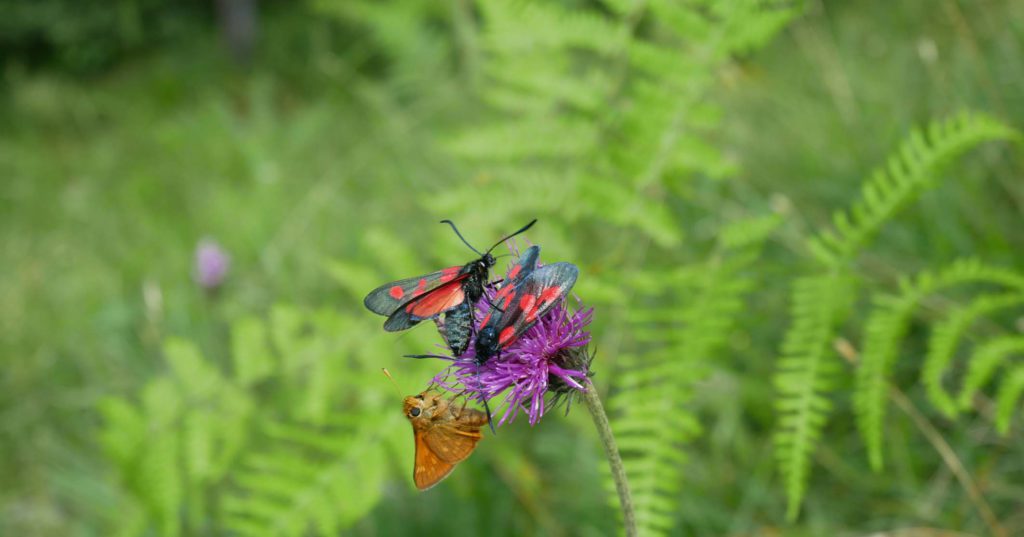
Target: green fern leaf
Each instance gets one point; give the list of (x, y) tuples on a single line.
[(909, 171), (944, 340), (885, 329), (1010, 390), (805, 374), (984, 363), (303, 480), (651, 420)]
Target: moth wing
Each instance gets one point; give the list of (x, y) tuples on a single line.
[(524, 267), (526, 264), (428, 469), (537, 293), (425, 306), (387, 298)]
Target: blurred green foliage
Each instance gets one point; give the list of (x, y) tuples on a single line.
[(87, 36), (686, 156)]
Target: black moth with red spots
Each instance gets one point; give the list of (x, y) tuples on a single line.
[(409, 301), (517, 307)]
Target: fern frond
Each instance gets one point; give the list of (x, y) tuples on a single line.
[(749, 231), (651, 419), (944, 340), (984, 362), (1010, 390), (532, 27), (805, 375), (908, 172), (602, 104), (883, 332), (160, 483), (308, 479), (885, 329), (195, 424)]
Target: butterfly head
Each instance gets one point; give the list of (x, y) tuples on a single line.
[(422, 406)]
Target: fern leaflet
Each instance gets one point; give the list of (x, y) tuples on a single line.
[(805, 375), (651, 421), (308, 478), (910, 170), (1009, 393), (885, 329), (944, 339), (985, 362), (802, 379)]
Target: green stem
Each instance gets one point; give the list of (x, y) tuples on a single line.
[(614, 459)]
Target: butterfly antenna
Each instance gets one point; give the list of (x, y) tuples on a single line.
[(392, 379), (464, 241), (522, 229)]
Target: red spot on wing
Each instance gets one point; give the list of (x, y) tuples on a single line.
[(515, 272), (438, 301), (527, 302), (420, 287), (486, 318), (396, 292), (503, 292), (506, 335), (550, 294), (449, 273), (506, 302), (547, 296)]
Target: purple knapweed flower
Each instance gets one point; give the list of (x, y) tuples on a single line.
[(550, 357), (211, 264)]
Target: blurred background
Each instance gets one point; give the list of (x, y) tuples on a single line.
[(195, 196)]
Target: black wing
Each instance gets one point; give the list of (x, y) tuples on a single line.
[(389, 297)]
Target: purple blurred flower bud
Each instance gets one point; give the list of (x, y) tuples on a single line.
[(211, 264)]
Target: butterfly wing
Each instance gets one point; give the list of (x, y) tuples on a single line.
[(454, 441), (537, 293), (389, 297), (429, 468)]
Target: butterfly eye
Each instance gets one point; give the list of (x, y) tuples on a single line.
[(414, 412), (420, 397)]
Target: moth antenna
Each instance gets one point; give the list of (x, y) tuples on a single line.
[(522, 229), (392, 379), (420, 356), (464, 241)]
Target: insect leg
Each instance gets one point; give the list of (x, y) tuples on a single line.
[(493, 305), (483, 397)]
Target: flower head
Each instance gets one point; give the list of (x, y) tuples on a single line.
[(549, 357), (211, 264)]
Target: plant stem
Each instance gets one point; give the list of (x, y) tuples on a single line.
[(614, 459)]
